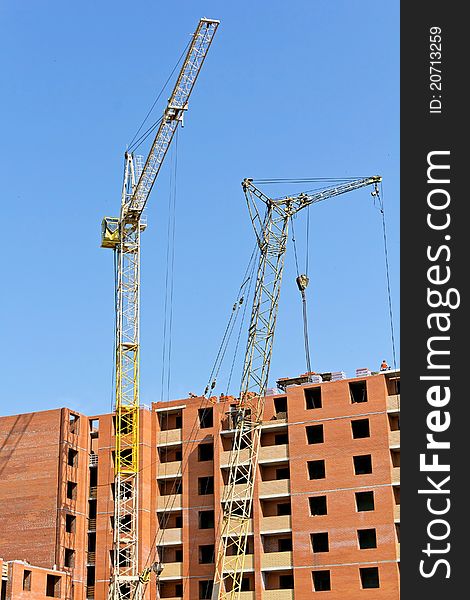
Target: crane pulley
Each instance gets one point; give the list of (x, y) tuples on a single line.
[(271, 230), (122, 234)]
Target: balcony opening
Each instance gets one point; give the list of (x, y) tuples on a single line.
[(169, 487), (206, 554), (179, 521), (318, 505), (27, 580), (281, 542), (74, 421), (170, 420), (205, 589), (205, 486), (125, 523), (397, 530), (92, 509), (169, 454), (71, 490), (70, 523), (53, 586), (316, 469), (395, 455), (394, 422), (396, 494), (284, 544), (3, 589), (358, 391), (360, 428), (72, 457), (206, 417), (369, 577), (364, 501), (283, 473), (312, 398), (321, 581), (362, 464), (69, 558), (393, 386), (205, 452), (206, 519), (320, 542), (280, 407), (367, 538), (280, 439), (90, 581), (286, 582), (315, 434), (283, 509)]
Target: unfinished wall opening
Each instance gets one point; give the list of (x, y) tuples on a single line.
[(170, 589), (315, 434), (280, 407), (362, 464), (312, 398), (71, 490), (286, 582), (367, 538), (274, 472), (394, 422), (53, 586), (206, 417), (206, 554), (321, 581), (393, 385), (3, 589), (364, 501), (271, 438), (318, 505), (90, 581), (27, 580), (72, 457), (316, 469), (205, 486), (94, 427), (360, 428), (74, 421), (397, 531), (232, 546), (70, 523), (69, 558), (173, 520), (205, 452), (358, 391), (320, 542), (206, 519), (369, 577), (170, 554), (205, 589)]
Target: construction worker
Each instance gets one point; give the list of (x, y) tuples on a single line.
[(384, 366)]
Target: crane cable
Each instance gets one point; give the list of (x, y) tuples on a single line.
[(302, 281), (379, 195)]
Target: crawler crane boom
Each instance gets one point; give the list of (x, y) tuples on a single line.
[(123, 236), (271, 232)]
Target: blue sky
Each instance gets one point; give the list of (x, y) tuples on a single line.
[(289, 90)]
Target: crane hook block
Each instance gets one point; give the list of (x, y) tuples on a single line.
[(302, 282)]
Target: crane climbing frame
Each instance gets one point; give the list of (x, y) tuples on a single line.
[(271, 232), (128, 578)]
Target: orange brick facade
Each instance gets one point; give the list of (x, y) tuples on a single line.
[(325, 514)]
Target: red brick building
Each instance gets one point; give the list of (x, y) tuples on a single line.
[(325, 513)]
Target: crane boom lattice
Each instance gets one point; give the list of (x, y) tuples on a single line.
[(122, 234), (272, 234)]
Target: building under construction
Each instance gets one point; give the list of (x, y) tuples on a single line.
[(325, 516)]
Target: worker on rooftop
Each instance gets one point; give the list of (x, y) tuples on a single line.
[(384, 366)]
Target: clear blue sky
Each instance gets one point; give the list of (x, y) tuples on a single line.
[(289, 90)]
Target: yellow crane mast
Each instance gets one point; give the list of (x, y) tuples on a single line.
[(271, 233), (122, 234)]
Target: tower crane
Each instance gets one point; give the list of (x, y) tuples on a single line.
[(122, 234), (271, 232)]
